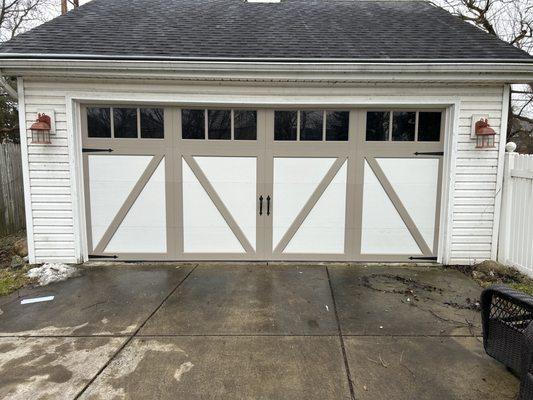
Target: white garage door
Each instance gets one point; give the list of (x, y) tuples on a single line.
[(229, 184)]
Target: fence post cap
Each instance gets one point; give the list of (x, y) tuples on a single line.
[(510, 147)]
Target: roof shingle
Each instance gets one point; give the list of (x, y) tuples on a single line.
[(235, 29)]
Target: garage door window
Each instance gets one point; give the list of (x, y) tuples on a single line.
[(245, 125), (403, 126), (337, 124), (99, 122), (125, 122), (219, 124), (152, 123), (311, 125), (429, 126)]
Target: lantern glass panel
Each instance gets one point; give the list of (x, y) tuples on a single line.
[(40, 136)]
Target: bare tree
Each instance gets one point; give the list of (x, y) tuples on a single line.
[(16, 16), (65, 3), (19, 15), (511, 21)]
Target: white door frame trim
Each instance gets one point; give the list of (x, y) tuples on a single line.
[(75, 99)]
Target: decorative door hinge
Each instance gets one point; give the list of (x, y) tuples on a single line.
[(85, 150)]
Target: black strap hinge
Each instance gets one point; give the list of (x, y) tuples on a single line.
[(85, 150), (429, 153), (102, 257)]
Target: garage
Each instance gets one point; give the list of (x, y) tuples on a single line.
[(250, 183)]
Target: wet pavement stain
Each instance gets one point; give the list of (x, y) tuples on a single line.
[(257, 332)]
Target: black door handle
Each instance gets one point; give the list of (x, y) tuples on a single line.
[(268, 205), (260, 205)]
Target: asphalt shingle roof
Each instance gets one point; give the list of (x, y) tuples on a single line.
[(292, 29)]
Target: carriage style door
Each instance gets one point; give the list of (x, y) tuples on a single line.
[(248, 184), (308, 153)]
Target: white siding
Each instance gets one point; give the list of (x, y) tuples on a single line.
[(476, 170)]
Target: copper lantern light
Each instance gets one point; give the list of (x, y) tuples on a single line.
[(484, 134), (40, 130)]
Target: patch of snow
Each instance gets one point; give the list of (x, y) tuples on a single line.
[(50, 273), (47, 331), (183, 368)]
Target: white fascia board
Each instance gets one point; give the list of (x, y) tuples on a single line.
[(471, 72)]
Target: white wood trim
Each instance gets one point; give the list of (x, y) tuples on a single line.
[(500, 172), (260, 101), (493, 71), (26, 170), (76, 178), (448, 182)]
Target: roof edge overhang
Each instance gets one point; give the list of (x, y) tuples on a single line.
[(442, 70)]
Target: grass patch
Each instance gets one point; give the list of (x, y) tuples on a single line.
[(523, 287), (12, 280), (489, 273)]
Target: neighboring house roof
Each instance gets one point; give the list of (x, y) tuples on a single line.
[(235, 29)]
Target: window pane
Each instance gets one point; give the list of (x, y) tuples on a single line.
[(99, 122), (152, 126), (125, 122), (377, 125), (311, 125), (219, 124), (245, 125), (192, 124), (285, 125), (403, 126), (337, 125), (429, 126)]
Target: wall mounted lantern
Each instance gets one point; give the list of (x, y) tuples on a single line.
[(40, 130), (484, 134)]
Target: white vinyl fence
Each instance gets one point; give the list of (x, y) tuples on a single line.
[(516, 234)]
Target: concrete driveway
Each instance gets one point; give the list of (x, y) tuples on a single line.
[(250, 332)]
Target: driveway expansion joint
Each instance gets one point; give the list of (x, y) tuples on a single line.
[(341, 339), (132, 336)]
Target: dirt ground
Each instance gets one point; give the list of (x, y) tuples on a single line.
[(488, 273), (12, 275)]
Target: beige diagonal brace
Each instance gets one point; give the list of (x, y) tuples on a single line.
[(128, 203), (393, 196), (217, 201), (311, 202)]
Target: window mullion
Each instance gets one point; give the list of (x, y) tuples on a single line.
[(112, 122)]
